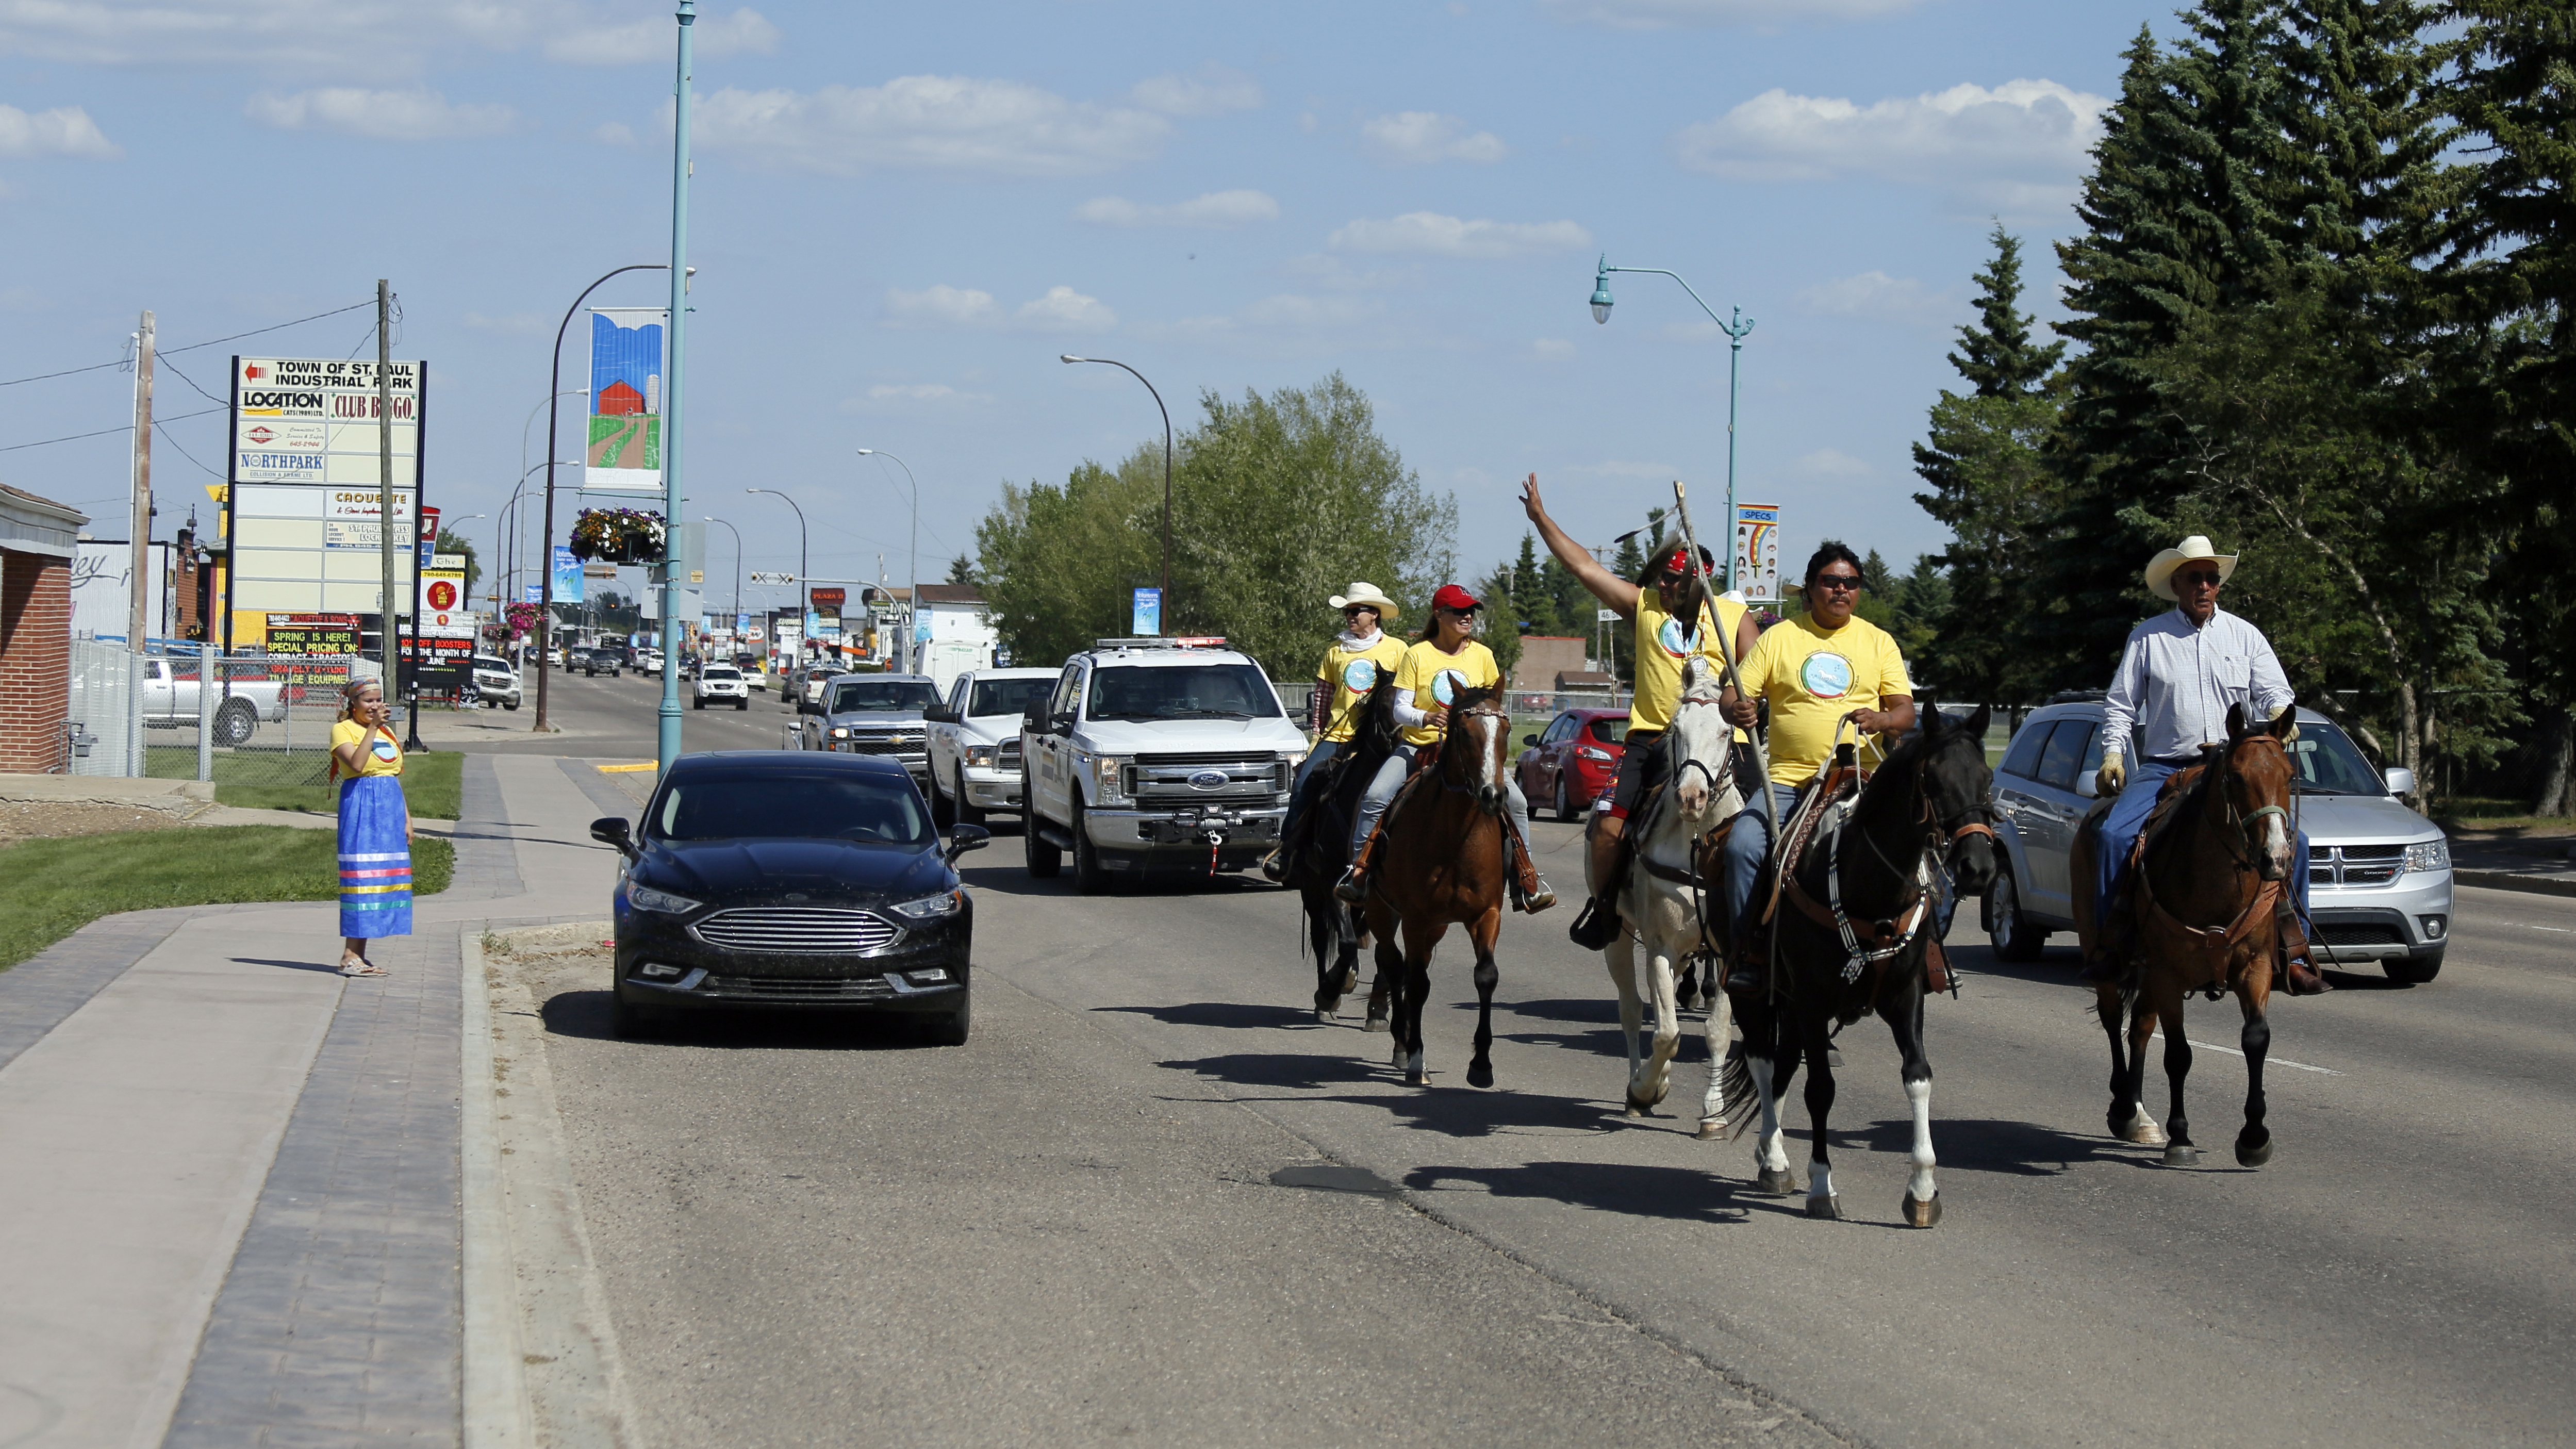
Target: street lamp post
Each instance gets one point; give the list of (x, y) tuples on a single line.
[(672, 583), (912, 597), (737, 572), (1165, 612), (510, 541), (804, 575), (1735, 332), (554, 412)]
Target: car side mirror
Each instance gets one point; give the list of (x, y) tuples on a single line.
[(2399, 780), (940, 714), (1033, 722), (613, 830), (1062, 724), (963, 838), (1529, 739)]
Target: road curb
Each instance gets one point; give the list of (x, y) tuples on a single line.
[(496, 1396), (2498, 880)]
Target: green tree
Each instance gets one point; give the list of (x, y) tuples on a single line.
[(1059, 561), (2000, 360), (961, 570)]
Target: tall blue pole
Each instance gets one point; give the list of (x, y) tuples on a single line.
[(672, 563)]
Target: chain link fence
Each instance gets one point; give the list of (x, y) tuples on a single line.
[(177, 711)]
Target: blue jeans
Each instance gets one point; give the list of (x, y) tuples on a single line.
[(1747, 848), (1301, 798), (2128, 815)]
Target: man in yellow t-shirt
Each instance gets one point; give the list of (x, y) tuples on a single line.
[(1352, 665), (1816, 671), (1655, 602)]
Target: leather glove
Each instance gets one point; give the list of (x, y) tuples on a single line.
[(2113, 774), (2277, 711)]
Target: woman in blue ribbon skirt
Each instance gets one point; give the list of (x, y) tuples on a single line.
[(375, 827)]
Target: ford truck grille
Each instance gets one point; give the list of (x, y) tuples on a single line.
[(1186, 779)]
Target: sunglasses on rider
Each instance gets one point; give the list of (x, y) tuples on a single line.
[(2194, 578), (1847, 583), (1351, 609)]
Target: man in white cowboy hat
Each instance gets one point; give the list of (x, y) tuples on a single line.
[(2180, 673), (1352, 665)]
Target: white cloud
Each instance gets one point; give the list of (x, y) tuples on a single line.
[(1063, 309), (1828, 463), (1672, 14), (1327, 270), (62, 131), (1418, 138), (652, 38), (1286, 322), (940, 306), (949, 123), (1432, 234), (1218, 210), (1208, 91), (1877, 295), (418, 114), (366, 37), (890, 399), (614, 133), (2022, 142), (512, 324)]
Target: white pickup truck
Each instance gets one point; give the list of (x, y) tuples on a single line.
[(241, 705), (975, 742), (1155, 755)]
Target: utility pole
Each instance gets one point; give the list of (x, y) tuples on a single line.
[(140, 614), (390, 631)]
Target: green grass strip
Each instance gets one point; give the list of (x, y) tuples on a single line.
[(261, 780), (51, 888)]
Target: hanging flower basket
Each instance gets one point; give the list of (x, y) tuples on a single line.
[(618, 536), (519, 621)]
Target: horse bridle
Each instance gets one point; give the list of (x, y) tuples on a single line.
[(1482, 711), (2240, 836)]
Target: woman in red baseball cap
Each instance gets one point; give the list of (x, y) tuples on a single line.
[(1443, 664)]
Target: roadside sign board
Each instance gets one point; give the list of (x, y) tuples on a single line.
[(313, 420), (1148, 618), (1757, 551), (624, 450)]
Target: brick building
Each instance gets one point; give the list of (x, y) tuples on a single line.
[(35, 629)]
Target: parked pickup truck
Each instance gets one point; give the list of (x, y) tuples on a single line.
[(241, 705), (875, 714), (1156, 755), (975, 742)]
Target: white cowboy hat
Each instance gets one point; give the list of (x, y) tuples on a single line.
[(1365, 593), (2195, 549)]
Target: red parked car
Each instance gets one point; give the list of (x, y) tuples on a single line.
[(1571, 763)]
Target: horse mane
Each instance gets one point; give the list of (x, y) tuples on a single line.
[(1470, 698)]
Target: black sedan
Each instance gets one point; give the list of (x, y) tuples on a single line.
[(790, 880)]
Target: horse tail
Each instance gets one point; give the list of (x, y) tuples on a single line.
[(1736, 1097)]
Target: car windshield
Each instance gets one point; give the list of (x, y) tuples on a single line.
[(486, 661), (881, 696), (2330, 764), (872, 810), (720, 671), (1182, 691), (1008, 696), (1610, 731)]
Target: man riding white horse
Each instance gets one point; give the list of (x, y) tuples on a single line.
[(1656, 603), (2178, 676)]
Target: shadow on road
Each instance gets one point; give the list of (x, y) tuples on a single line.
[(1676, 1193), (1989, 1144), (1228, 1014), (585, 1014), (322, 966)]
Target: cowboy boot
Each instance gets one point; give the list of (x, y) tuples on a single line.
[(2298, 972), (1598, 923), (1534, 896), (1352, 888)]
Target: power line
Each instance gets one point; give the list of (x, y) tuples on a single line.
[(103, 432), (191, 347), (192, 382), (164, 431)]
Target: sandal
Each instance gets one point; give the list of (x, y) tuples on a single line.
[(359, 966)]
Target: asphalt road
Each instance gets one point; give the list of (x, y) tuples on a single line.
[(1068, 1229)]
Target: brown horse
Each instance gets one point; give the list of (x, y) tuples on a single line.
[(2202, 904), (1443, 854)]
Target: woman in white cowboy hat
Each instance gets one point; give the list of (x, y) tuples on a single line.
[(2179, 674), (1350, 669)]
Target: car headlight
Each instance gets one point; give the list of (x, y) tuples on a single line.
[(1108, 773), (2429, 855), (981, 756), (645, 898), (933, 908), (840, 734)]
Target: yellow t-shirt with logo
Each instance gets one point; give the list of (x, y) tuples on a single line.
[(377, 752), (1438, 679), (1813, 677), (1350, 674), (1661, 650)]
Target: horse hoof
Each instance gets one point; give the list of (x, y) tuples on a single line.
[(2254, 1155), (2144, 1133), (2182, 1154), (1417, 1078), (1825, 1207), (1777, 1181), (1921, 1214), (1326, 1016), (1711, 1128), (1376, 1019), (1480, 1074)]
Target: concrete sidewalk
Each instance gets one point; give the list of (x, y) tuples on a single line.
[(229, 1177)]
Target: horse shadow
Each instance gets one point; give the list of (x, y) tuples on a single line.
[(1993, 1144), (1283, 1071), (1233, 1015), (1676, 1194)]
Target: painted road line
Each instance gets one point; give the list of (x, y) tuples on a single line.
[(2269, 1060), (628, 769)]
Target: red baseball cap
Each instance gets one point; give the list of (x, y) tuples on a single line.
[(1453, 597)]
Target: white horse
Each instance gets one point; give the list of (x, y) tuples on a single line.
[(1660, 905)]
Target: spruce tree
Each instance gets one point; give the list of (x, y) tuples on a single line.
[(1999, 359)]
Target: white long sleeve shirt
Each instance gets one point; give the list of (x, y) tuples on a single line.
[(2175, 682)]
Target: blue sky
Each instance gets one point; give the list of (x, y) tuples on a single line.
[(904, 213)]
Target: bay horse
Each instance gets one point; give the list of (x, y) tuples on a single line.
[(1442, 855), (2204, 900), (1850, 938), (1663, 906), (1334, 931)]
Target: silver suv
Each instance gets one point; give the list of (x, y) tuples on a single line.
[(495, 682), (1156, 753), (2379, 875)]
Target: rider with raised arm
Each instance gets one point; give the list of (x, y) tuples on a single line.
[(1351, 667), (2179, 674), (1444, 663), (1817, 670), (1656, 603)]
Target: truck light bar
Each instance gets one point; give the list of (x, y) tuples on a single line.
[(1184, 641)]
